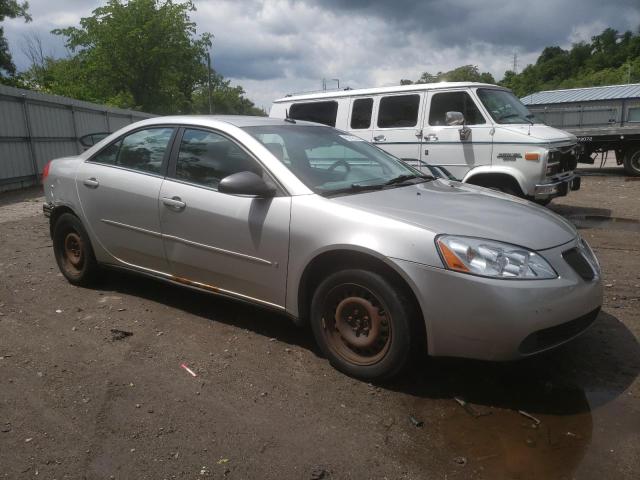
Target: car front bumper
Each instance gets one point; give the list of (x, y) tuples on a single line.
[(557, 186), (496, 319)]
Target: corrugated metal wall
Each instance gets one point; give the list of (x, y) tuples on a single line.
[(35, 128), (605, 113)]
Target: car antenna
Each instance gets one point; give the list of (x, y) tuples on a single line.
[(287, 118)]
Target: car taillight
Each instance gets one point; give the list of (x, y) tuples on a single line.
[(45, 171)]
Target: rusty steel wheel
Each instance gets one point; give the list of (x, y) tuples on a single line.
[(73, 253), (365, 323), (356, 325)]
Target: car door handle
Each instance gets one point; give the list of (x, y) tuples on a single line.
[(380, 138), (91, 182), (432, 137), (174, 202)]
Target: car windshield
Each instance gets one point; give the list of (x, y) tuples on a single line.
[(329, 161), (505, 107)]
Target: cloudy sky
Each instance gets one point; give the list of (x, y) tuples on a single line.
[(275, 47)]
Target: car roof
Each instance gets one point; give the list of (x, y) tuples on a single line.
[(211, 120)]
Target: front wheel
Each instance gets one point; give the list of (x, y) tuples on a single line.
[(632, 161), (363, 325), (73, 252)]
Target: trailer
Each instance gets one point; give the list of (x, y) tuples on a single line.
[(604, 119)]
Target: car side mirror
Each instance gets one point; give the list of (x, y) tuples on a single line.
[(246, 183)]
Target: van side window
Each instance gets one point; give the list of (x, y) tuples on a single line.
[(399, 111), (320, 112), (441, 103), (361, 113)]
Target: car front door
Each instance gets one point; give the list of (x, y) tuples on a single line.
[(119, 188), (442, 144), (397, 127), (225, 243)]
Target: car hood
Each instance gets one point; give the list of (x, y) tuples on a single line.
[(455, 208)]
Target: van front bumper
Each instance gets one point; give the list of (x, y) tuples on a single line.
[(557, 186)]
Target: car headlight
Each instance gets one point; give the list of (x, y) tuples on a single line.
[(490, 258)]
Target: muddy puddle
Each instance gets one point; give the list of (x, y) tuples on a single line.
[(604, 222), (561, 415)]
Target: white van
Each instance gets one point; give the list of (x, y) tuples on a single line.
[(477, 133)]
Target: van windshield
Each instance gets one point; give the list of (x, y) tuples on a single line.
[(329, 161), (504, 107)]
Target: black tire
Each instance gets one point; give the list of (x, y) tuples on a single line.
[(73, 251), (388, 324), (632, 161)]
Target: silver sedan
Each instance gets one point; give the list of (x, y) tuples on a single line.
[(380, 259)]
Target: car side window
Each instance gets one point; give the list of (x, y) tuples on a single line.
[(444, 102), (143, 150), (361, 113), (399, 111), (205, 158)]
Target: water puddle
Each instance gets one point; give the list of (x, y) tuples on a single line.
[(604, 222)]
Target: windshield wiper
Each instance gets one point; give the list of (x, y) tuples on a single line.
[(512, 115), (408, 176)]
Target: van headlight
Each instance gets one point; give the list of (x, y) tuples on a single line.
[(490, 258)]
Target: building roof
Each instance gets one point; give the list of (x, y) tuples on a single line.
[(610, 92), (377, 90)]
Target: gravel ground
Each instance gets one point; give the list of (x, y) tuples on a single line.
[(78, 401)]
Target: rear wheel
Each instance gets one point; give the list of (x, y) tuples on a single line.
[(73, 252), (632, 161), (364, 326)]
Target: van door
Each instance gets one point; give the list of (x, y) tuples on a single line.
[(397, 127), (442, 145)]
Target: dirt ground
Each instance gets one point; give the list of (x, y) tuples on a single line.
[(77, 402)]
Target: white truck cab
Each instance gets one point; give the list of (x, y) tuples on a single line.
[(474, 132)]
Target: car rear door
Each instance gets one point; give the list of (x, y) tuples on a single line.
[(220, 242), (118, 189)]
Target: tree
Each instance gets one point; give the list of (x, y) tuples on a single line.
[(10, 9), (465, 73), (141, 54), (610, 58)]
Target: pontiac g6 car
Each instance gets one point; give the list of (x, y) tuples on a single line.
[(379, 258)]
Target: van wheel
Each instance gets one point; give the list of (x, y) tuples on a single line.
[(632, 161), (363, 325), (73, 252)]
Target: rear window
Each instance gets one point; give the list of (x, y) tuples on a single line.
[(399, 111), (319, 112)]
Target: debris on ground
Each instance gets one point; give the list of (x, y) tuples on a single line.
[(416, 422), (119, 334), (320, 473), (189, 371), (460, 461), (222, 461), (470, 410), (529, 416)]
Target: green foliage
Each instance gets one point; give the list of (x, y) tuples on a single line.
[(610, 58), (225, 99), (465, 73), (141, 54), (10, 9)]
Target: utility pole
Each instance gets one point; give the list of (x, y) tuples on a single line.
[(338, 81), (515, 62), (209, 81)]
